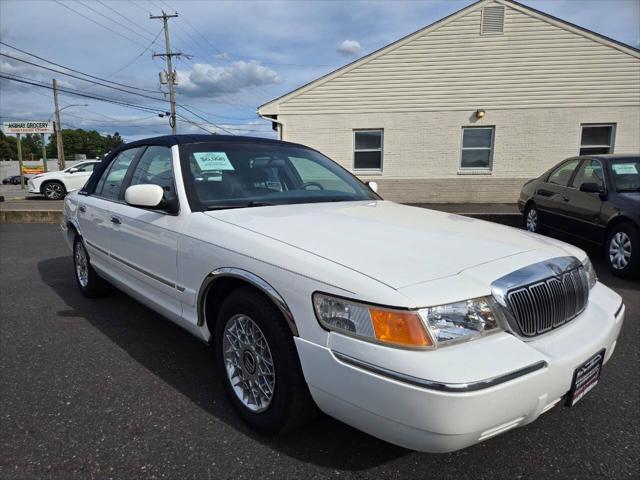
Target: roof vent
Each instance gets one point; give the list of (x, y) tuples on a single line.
[(492, 20)]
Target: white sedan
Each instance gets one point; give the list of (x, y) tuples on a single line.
[(55, 185), (429, 330)]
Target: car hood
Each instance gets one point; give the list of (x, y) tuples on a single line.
[(395, 244)]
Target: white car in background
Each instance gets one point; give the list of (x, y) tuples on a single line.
[(55, 185), (429, 330)]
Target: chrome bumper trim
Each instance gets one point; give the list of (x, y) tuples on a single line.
[(440, 386)]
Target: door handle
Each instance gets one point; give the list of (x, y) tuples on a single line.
[(82, 208), (566, 199), (116, 220)]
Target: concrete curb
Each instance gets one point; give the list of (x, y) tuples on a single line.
[(31, 216)]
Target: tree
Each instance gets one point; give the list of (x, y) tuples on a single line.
[(31, 146), (78, 141), (8, 147)]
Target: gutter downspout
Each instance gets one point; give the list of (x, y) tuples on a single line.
[(274, 120)]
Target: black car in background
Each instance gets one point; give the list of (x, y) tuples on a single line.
[(13, 180), (594, 197)]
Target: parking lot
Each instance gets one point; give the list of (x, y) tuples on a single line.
[(107, 388)]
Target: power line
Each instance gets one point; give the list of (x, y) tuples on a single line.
[(112, 20), (82, 79), (35, 83), (78, 71), (99, 24), (137, 25)]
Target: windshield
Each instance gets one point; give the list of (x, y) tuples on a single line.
[(232, 175), (626, 174)]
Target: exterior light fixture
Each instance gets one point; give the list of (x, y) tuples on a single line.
[(480, 113)]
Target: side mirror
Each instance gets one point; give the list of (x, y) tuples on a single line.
[(146, 195), (373, 186), (591, 187), (73, 170)]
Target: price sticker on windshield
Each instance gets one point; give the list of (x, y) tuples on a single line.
[(208, 161), (625, 168)]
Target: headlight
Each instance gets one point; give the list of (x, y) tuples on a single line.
[(397, 327), (425, 328), (591, 272), (462, 320)]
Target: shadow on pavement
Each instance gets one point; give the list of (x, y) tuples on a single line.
[(186, 364)]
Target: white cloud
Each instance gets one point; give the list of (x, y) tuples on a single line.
[(349, 48), (211, 81)]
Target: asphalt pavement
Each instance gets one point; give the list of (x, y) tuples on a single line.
[(108, 389)]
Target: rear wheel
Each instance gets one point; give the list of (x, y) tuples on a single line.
[(91, 285), (622, 250), (259, 366), (532, 219), (54, 190)]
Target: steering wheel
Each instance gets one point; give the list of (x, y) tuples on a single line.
[(310, 184)]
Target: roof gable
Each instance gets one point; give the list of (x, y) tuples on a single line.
[(272, 107)]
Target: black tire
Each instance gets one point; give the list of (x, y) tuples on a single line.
[(94, 286), (531, 219), (54, 190), (291, 405), (623, 238)]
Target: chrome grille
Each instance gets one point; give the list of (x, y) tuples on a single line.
[(548, 303)]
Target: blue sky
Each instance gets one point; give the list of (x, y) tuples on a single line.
[(243, 53)]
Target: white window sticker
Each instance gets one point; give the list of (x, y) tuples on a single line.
[(208, 161), (624, 168)]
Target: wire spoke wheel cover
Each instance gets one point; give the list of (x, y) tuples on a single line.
[(248, 363), (620, 250), (82, 265)]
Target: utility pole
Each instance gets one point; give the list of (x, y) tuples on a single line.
[(19, 145), (58, 128), (171, 74), (44, 153)]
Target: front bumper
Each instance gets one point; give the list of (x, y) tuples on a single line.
[(433, 419), (31, 187)]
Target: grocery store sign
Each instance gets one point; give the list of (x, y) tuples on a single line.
[(27, 127)]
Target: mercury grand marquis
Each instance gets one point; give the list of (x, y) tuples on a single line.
[(428, 330)]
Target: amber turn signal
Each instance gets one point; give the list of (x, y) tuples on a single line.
[(400, 328)]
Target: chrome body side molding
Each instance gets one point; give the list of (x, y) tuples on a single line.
[(250, 278)]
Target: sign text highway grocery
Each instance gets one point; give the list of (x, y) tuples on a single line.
[(27, 127)]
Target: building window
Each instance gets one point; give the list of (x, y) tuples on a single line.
[(477, 148), (597, 139), (367, 149)]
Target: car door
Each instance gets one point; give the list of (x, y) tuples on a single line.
[(77, 176), (94, 209), (145, 240), (551, 194), (583, 208)]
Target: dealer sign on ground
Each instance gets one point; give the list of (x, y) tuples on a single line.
[(27, 127)]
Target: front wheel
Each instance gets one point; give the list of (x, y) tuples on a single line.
[(54, 190), (91, 285), (258, 363), (622, 250)]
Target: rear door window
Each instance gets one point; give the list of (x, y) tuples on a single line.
[(562, 174)]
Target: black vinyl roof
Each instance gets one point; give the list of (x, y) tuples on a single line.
[(170, 140)]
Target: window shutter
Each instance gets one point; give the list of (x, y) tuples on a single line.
[(492, 20)]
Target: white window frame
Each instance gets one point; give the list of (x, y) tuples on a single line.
[(381, 149), (612, 140), (491, 148)]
